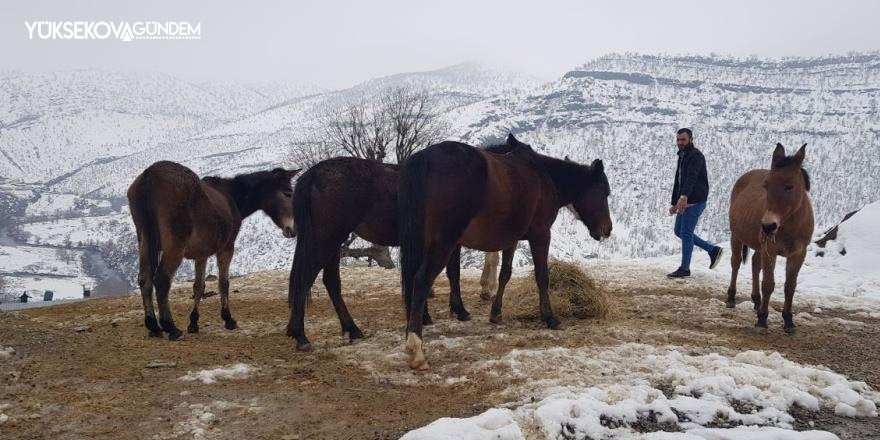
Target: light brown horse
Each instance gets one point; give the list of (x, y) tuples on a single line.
[(178, 216), (452, 194), (770, 212)]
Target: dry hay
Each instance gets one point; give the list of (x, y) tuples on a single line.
[(573, 293)]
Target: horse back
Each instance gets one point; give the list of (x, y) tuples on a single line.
[(345, 194)]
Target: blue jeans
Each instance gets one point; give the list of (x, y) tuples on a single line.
[(685, 223)]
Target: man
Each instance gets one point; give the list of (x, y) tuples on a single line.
[(689, 194)]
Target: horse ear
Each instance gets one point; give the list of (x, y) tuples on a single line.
[(290, 174), (511, 140), (801, 154), (567, 159), (598, 165), (778, 154)]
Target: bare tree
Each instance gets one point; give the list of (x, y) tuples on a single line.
[(305, 154), (398, 123), (414, 121)]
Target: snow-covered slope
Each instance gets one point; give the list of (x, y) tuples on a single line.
[(54, 123)]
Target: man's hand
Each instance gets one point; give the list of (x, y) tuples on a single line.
[(672, 210), (681, 205)]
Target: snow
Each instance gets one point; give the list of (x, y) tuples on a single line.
[(494, 424), (50, 204), (235, 371), (37, 268), (6, 352), (708, 396)]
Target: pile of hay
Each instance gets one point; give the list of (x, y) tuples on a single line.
[(573, 293)]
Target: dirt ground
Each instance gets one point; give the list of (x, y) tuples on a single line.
[(81, 370)]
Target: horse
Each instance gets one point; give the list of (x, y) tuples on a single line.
[(332, 199), (770, 212), (453, 194), (177, 215)]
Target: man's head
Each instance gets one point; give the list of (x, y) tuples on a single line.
[(683, 138)]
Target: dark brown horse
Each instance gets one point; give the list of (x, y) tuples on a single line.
[(178, 216), (453, 194), (770, 212), (331, 200)]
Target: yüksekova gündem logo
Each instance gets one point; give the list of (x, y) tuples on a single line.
[(122, 31)]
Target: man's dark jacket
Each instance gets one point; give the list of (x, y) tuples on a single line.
[(691, 179)]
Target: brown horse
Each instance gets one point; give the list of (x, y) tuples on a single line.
[(178, 216), (770, 212), (331, 200), (453, 194)]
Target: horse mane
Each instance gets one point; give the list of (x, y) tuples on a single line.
[(789, 161)]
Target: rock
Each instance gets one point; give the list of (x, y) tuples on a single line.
[(161, 364), (116, 321), (82, 328)]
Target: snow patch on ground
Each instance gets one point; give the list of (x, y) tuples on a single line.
[(707, 396), (235, 371), (204, 419), (6, 352), (494, 424)]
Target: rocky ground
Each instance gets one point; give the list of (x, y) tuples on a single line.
[(87, 370)]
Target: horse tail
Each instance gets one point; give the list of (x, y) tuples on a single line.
[(144, 214), (745, 255), (412, 192), (306, 251)]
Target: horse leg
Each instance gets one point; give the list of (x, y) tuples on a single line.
[(171, 258), (224, 258), (145, 282), (503, 278), (435, 258), (768, 264), (735, 262), (540, 247), (792, 267), (488, 278), (756, 279), (453, 272), (198, 291), (333, 284)]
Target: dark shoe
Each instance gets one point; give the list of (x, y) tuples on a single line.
[(715, 256), (679, 273)]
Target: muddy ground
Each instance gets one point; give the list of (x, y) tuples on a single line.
[(81, 370)]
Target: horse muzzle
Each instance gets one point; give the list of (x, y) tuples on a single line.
[(289, 232), (769, 228)]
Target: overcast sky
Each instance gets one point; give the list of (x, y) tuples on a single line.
[(339, 43)]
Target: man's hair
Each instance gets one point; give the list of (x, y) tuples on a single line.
[(686, 130)]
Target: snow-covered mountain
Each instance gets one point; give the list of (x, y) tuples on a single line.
[(88, 134), (625, 109)]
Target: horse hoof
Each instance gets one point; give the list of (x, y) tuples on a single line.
[(231, 324), (552, 323), (427, 321), (485, 296), (495, 319), (303, 346), (789, 330), (175, 335), (761, 324), (355, 334), (730, 304), (463, 316), (154, 334), (419, 365), (192, 329)]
